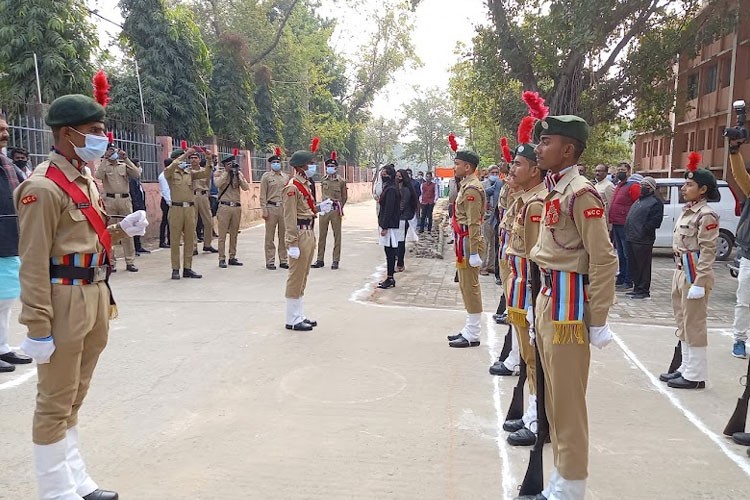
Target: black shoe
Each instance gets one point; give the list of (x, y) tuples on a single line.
[(222, 263), (200, 239), (131, 268), (163, 245), (311, 322), (175, 274), (195, 252), (15, 359), (143, 250), (623, 287), (300, 327), (461, 342), (189, 273), (6, 367), (102, 495), (666, 377), (284, 265), (271, 267), (210, 249), (500, 369), (498, 281), (683, 383), (522, 437), (742, 438), (538, 496), (388, 283), (235, 262), (513, 425), (318, 264), (640, 296), (451, 338), (335, 265), (501, 319)]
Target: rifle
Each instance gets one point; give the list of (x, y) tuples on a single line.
[(737, 422), (676, 358), (515, 410), (507, 345), (533, 481)]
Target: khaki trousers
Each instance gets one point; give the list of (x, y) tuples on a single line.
[(566, 375), (334, 219), (689, 314), (203, 210), (117, 209), (468, 282), (80, 327), (275, 229), (182, 225), (504, 275), (229, 222), (296, 280), (488, 255)]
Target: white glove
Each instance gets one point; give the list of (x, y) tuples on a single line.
[(696, 292), (39, 349), (600, 336), (325, 206), (293, 252), (475, 260), (135, 224)]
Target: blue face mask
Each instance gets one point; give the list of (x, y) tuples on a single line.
[(115, 156), (330, 170), (312, 170), (275, 166), (96, 146), (494, 178)]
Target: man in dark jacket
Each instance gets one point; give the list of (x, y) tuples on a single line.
[(138, 197), (626, 193), (643, 220)]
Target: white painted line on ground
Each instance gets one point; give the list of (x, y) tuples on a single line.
[(18, 380), (720, 441), (509, 482), (721, 331)]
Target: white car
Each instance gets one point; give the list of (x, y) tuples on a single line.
[(728, 208)]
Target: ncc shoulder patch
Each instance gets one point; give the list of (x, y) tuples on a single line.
[(593, 213), (470, 197), (536, 218), (711, 226), (290, 193), (29, 198)]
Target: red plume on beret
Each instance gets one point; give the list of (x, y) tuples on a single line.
[(506, 150), (183, 144), (314, 144), (277, 151), (101, 88), (452, 142), (111, 137), (694, 159), (334, 155), (235, 151), (535, 103), (525, 128)]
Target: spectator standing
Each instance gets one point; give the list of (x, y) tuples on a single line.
[(492, 186), (626, 193), (392, 228), (427, 199), (742, 306), (604, 187), (138, 197), (408, 210), (164, 205), (20, 157), (643, 220)]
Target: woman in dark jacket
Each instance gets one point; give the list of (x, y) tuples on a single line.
[(389, 221), (409, 203), (643, 220)]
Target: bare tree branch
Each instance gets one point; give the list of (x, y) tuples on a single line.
[(264, 53)]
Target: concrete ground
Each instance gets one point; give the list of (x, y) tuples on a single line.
[(202, 393)]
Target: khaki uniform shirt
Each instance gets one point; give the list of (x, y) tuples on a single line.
[(334, 187), (181, 180), (527, 217), (114, 175), (232, 193), (574, 238), (52, 226), (295, 208), (202, 183), (470, 205), (271, 186), (697, 230)]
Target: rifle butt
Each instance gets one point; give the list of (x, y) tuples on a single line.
[(533, 481), (737, 421), (676, 358), (507, 345)]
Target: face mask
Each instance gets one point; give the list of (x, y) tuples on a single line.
[(275, 166), (621, 176), (494, 178), (115, 156), (20, 164), (184, 165), (312, 170), (330, 170), (645, 192), (96, 146)]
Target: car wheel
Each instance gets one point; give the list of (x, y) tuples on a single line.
[(724, 244)]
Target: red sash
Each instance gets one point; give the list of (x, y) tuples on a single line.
[(84, 205), (306, 194)]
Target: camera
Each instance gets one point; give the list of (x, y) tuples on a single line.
[(738, 133)]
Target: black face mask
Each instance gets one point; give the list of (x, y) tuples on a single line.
[(646, 192), (621, 176), (20, 163)]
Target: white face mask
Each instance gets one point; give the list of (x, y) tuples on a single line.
[(312, 170), (114, 156), (330, 170), (96, 146)]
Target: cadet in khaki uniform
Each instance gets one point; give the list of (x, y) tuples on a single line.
[(229, 181), (578, 267), (467, 234), (64, 246), (523, 236), (201, 197), (694, 246), (299, 220), (332, 187), (179, 176), (114, 172), (271, 185)]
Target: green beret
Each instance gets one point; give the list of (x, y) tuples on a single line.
[(273, 158), (468, 156), (176, 153), (301, 158), (228, 159), (72, 110), (527, 151), (565, 125), (704, 177)]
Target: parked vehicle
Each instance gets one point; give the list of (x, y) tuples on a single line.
[(728, 209)]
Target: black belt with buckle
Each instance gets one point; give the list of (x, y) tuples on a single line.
[(200, 191), (117, 195), (231, 203), (304, 223), (182, 204), (93, 274)]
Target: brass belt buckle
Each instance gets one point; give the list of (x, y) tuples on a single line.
[(100, 273)]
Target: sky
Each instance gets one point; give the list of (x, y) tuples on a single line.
[(438, 26)]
